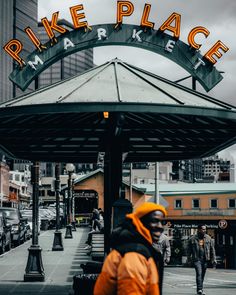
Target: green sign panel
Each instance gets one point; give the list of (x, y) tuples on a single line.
[(126, 35)]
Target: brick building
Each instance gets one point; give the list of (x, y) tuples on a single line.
[(4, 184), (210, 204)]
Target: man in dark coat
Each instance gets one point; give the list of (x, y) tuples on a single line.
[(201, 251)]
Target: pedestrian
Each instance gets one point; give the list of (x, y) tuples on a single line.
[(201, 250), (162, 244), (101, 213), (96, 224), (133, 267)]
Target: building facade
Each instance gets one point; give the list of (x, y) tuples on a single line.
[(4, 184), (21, 180), (187, 170), (213, 204), (144, 173), (14, 17), (66, 67), (217, 167)]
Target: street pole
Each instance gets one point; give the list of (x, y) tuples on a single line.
[(57, 191), (73, 222), (130, 184), (194, 83), (73, 207), (157, 195), (69, 196), (57, 242), (34, 269), (70, 169)]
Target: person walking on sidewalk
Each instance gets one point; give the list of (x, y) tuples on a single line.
[(201, 250), (134, 267), (162, 244)]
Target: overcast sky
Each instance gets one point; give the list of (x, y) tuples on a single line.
[(218, 16)]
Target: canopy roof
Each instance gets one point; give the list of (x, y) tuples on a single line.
[(152, 118)]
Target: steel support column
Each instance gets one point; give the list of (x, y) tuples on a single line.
[(57, 242), (68, 234), (112, 186), (73, 222), (34, 269)]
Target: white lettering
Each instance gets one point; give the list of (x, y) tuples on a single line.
[(102, 34), (200, 62), (37, 60), (68, 43), (170, 45), (136, 35)]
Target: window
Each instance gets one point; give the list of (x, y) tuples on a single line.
[(50, 193), (196, 203), (223, 239), (232, 203), (42, 193), (214, 203), (178, 203), (17, 177)]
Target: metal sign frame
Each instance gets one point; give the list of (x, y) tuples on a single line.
[(125, 35)]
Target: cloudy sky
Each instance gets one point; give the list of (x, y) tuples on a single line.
[(218, 16)]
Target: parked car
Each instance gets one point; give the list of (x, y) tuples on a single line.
[(17, 223), (53, 209), (5, 234), (47, 220), (28, 232), (28, 214)]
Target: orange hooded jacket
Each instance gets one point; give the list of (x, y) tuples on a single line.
[(132, 272)]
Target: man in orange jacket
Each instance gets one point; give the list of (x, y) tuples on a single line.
[(134, 267)]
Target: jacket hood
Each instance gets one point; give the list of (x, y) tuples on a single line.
[(141, 211)]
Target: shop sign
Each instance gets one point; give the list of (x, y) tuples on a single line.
[(164, 41), (223, 224), (192, 225), (85, 195)]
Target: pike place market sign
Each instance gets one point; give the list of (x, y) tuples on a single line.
[(164, 41)]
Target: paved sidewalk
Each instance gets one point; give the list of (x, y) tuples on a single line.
[(59, 266), (182, 281)]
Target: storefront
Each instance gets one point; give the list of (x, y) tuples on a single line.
[(222, 231)]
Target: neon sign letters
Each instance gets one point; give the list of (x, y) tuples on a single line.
[(164, 40)]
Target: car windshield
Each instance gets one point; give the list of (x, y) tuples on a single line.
[(29, 217), (11, 215)]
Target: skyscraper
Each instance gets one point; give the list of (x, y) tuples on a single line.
[(14, 17), (67, 66)]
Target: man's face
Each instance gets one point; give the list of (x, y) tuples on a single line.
[(152, 222), (202, 231)]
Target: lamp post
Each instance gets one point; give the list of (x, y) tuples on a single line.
[(157, 193), (57, 243), (70, 169), (73, 222), (34, 270)]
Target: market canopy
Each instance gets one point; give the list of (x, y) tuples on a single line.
[(153, 119)]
